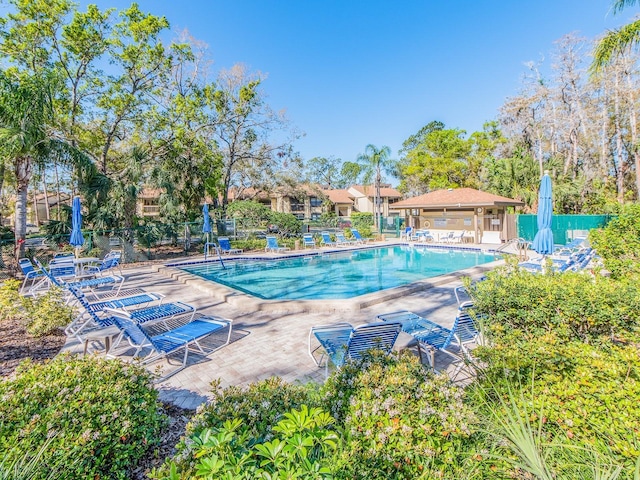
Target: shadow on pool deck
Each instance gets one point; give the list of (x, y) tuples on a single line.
[(272, 340)]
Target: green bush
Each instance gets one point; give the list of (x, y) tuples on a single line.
[(98, 416), (570, 304), (301, 446), (257, 407), (363, 222), (287, 223), (399, 420), (586, 395), (619, 242), (41, 315), (563, 347), (249, 244)]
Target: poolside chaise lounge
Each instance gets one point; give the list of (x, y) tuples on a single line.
[(407, 233), (433, 337), (341, 240), (341, 342), (272, 245), (308, 241), (87, 308), (326, 239), (109, 262), (31, 273), (96, 320), (358, 237), (423, 236), (60, 276), (164, 343), (225, 246)]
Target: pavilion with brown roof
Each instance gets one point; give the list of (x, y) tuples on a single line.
[(483, 216)]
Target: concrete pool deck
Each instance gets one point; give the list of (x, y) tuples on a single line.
[(270, 339)]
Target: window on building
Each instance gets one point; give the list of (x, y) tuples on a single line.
[(315, 216), (315, 202), (297, 206)]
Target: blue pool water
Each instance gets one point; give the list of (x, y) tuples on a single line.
[(338, 275)]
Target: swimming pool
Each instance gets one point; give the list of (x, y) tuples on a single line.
[(337, 275)]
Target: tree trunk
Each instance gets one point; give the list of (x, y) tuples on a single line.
[(618, 156), (633, 126), (45, 191), (2, 171), (23, 175), (57, 191)]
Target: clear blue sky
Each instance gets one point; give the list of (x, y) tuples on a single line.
[(354, 72)]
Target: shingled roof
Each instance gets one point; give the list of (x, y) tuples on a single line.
[(456, 198), (338, 196)]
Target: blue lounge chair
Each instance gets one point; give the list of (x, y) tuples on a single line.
[(225, 246), (433, 337), (110, 261), (85, 317), (31, 273), (326, 239), (51, 279), (94, 319), (163, 344), (341, 240), (424, 236), (407, 234), (308, 241), (272, 246), (342, 342), (358, 237)]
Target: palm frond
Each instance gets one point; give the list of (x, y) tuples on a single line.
[(614, 44)]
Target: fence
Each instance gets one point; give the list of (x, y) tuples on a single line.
[(564, 227), (158, 241)]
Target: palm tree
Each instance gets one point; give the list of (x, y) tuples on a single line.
[(616, 42), (374, 161), (26, 113)]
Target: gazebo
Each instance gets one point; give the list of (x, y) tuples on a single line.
[(483, 216)]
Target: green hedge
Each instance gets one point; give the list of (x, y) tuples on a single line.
[(97, 416)]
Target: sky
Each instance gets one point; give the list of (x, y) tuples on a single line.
[(354, 72)]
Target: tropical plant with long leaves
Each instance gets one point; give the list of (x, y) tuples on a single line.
[(374, 161), (617, 41), (26, 115)]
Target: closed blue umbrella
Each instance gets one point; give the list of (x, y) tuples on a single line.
[(76, 239), (543, 242), (206, 226)]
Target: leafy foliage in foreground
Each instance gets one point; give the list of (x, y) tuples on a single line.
[(302, 439), (563, 351), (99, 417), (619, 243), (399, 420), (41, 315)]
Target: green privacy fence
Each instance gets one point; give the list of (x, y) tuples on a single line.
[(565, 227)]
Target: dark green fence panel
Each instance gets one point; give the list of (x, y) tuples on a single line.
[(565, 227)]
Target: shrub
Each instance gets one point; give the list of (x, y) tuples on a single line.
[(249, 244), (300, 448), (586, 396), (287, 223), (363, 222), (99, 416), (257, 407), (42, 315), (399, 420), (570, 304), (619, 242)]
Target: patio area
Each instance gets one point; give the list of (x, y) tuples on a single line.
[(273, 341)]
